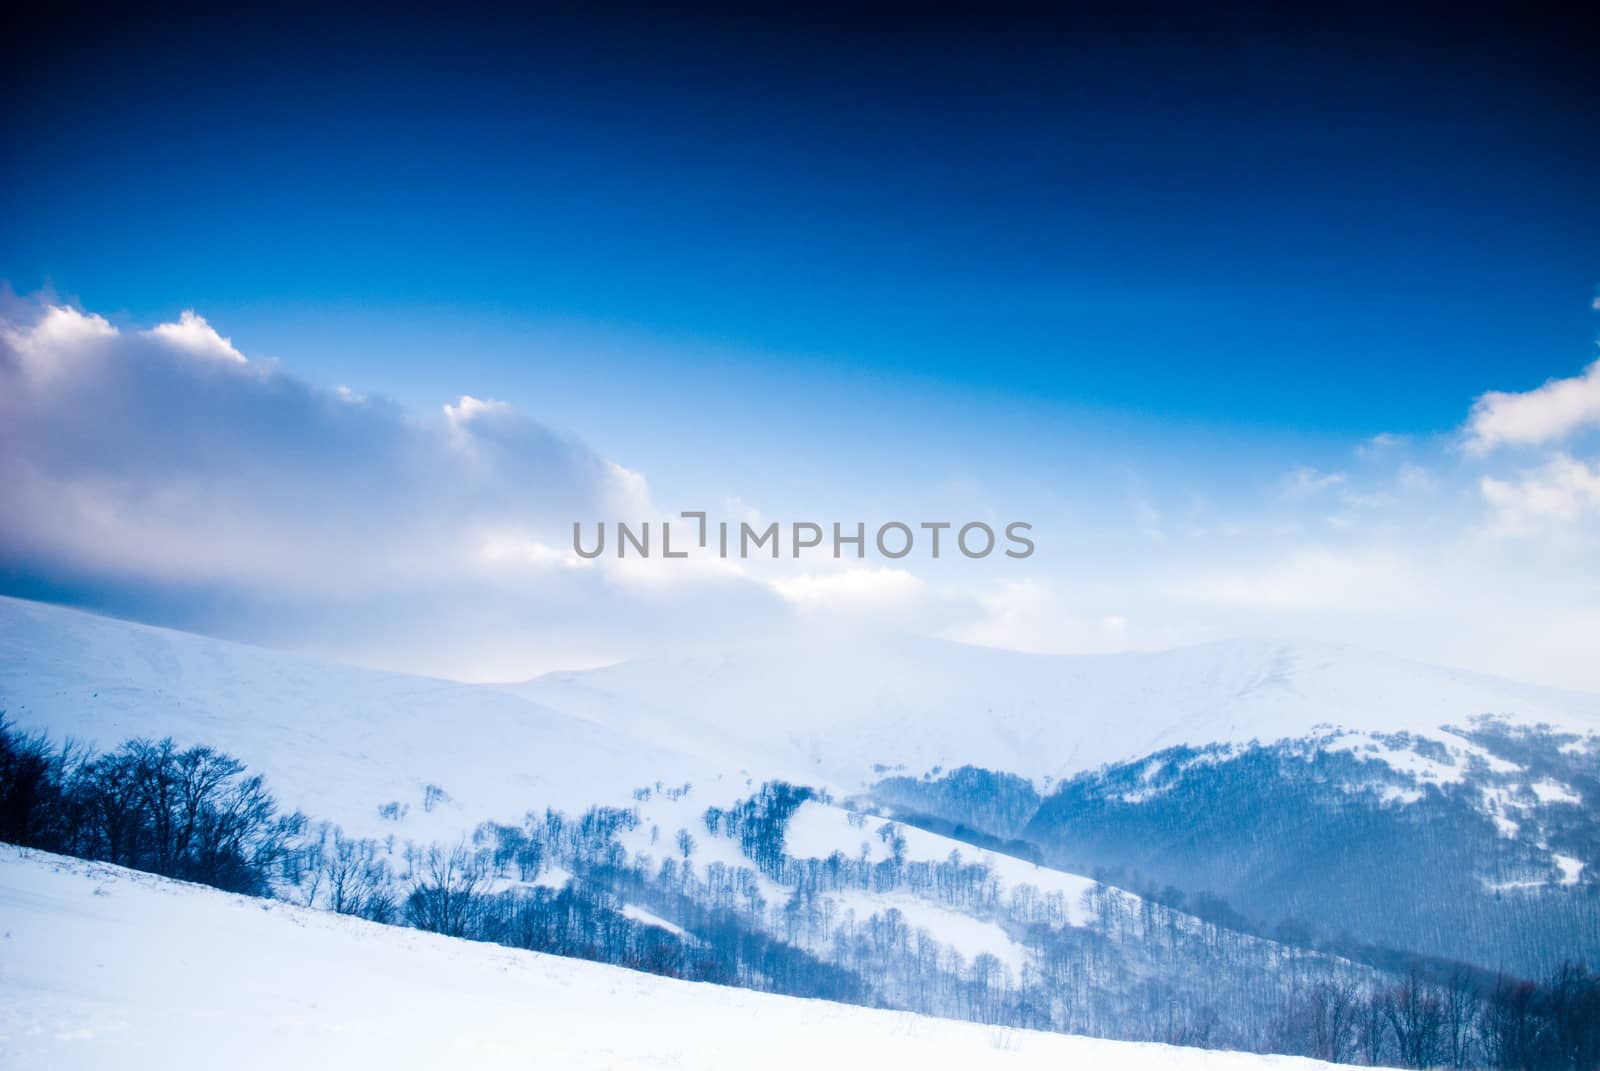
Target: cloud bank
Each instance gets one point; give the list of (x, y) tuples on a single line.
[(166, 452), (164, 474)]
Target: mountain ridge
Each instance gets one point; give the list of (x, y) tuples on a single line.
[(835, 714), (913, 705)]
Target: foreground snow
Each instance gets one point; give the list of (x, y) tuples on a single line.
[(104, 967)]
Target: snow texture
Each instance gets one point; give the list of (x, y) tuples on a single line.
[(104, 967)]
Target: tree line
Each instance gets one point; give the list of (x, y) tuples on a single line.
[(189, 813), (1553, 1025)]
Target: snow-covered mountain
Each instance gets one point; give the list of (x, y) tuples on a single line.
[(1299, 789), (109, 967), (339, 740), (842, 713)]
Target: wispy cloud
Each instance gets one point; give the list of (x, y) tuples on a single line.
[(1306, 482), (1380, 445), (1562, 491)]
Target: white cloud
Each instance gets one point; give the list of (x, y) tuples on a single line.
[(164, 453), (1380, 444), (633, 490), (1311, 578), (193, 335), (656, 577), (855, 588), (500, 548), (467, 409), (55, 343), (1543, 415), (1039, 617), (1413, 478), (1306, 482), (160, 468), (1561, 491)]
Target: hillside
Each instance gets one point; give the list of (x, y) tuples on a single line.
[(335, 741), (108, 967), (340, 741)]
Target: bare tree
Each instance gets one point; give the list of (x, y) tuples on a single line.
[(432, 796), (1513, 1025), (1372, 1028), (1459, 1008), (446, 896), (1324, 1022), (1574, 1009), (1415, 1014), (358, 879)]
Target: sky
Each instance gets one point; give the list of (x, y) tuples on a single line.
[(320, 331)]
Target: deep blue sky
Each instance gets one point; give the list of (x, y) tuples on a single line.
[(1237, 228), (1150, 281)]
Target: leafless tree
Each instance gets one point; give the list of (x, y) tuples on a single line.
[(447, 892), (1415, 1014)]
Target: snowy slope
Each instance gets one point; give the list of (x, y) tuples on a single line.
[(338, 741), (818, 830), (831, 713), (332, 740), (103, 967)]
